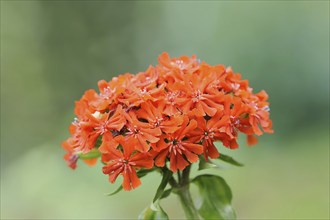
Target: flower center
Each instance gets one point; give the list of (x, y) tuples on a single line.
[(103, 127), (235, 120), (158, 121), (107, 93), (176, 147), (178, 63), (197, 96), (208, 134), (143, 91), (170, 97), (134, 131)]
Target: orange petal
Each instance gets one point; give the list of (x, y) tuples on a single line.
[(131, 180), (142, 160), (160, 145), (135, 181), (251, 140), (91, 162), (196, 148), (181, 163), (190, 156), (208, 110), (160, 158), (210, 151), (165, 60)]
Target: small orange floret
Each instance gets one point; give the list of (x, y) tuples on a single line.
[(173, 111), (125, 162), (178, 147)]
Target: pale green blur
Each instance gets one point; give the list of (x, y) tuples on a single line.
[(52, 51)]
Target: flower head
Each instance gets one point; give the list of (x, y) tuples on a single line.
[(172, 112)]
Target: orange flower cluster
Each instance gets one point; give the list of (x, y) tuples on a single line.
[(172, 112)]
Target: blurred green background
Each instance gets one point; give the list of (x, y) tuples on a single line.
[(52, 51)]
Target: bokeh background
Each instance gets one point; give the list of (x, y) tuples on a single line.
[(52, 51)]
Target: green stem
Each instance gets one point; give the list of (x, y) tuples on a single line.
[(185, 197), (179, 176)]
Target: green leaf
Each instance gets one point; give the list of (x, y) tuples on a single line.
[(167, 174), (116, 191), (215, 197), (203, 164), (143, 172), (94, 153), (154, 211), (166, 193), (230, 160), (98, 142)]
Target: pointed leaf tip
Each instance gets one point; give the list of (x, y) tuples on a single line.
[(166, 193), (116, 191), (230, 160), (167, 174), (203, 164)]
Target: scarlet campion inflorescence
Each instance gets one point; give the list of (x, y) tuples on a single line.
[(173, 111)]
